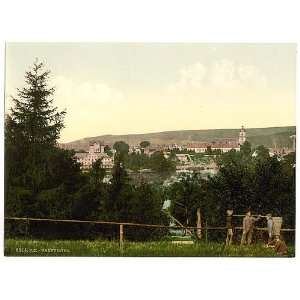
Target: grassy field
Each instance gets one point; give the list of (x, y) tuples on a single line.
[(111, 248)]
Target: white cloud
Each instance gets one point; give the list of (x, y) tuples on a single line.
[(189, 77), (251, 75), (88, 104), (221, 74), (192, 75), (86, 95)]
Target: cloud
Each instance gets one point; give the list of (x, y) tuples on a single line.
[(88, 104), (221, 74), (85, 95), (251, 75), (192, 75), (189, 77)]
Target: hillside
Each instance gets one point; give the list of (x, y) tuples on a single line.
[(269, 137)]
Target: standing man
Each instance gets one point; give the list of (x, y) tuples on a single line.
[(248, 228), (229, 226), (270, 227)]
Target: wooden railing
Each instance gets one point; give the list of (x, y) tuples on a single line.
[(123, 224)]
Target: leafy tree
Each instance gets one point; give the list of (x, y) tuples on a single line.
[(160, 164), (108, 151), (186, 195), (107, 148), (246, 148), (173, 155), (120, 193), (146, 208), (89, 201), (129, 203), (136, 161), (261, 153), (97, 173), (121, 148), (263, 183), (208, 150), (144, 144)]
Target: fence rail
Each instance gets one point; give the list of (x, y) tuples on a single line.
[(135, 224), (122, 225)]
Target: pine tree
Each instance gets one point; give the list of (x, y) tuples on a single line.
[(33, 111), (39, 177), (38, 124)]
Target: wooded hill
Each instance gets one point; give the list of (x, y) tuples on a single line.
[(270, 137)]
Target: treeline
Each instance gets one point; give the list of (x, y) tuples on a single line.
[(156, 162), (136, 161), (43, 181)]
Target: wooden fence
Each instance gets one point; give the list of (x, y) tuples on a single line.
[(123, 224)]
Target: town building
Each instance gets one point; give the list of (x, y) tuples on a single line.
[(184, 158), (224, 145), (198, 147), (135, 149), (280, 152), (96, 151)]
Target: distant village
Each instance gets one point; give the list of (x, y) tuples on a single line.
[(183, 153)]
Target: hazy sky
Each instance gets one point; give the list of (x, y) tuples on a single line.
[(139, 88)]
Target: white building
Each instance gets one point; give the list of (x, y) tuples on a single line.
[(198, 147), (224, 145), (135, 149), (96, 151), (96, 148), (184, 158)]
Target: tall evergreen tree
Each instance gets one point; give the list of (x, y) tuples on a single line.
[(33, 110), (37, 122), (39, 177)]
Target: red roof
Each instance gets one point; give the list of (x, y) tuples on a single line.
[(228, 143), (198, 145)]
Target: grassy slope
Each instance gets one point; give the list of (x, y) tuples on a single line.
[(267, 136), (107, 248), (281, 139)]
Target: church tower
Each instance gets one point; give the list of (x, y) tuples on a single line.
[(242, 136)]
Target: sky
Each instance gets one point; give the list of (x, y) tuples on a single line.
[(123, 88)]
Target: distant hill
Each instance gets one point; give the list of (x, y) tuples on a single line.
[(270, 137)]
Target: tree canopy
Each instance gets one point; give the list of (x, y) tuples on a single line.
[(121, 147), (144, 144)]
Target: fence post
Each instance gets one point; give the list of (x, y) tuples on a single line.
[(27, 228), (121, 238), (206, 231), (199, 233)]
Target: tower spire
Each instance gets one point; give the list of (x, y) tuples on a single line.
[(242, 135)]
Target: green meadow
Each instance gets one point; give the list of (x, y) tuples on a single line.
[(16, 247)]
